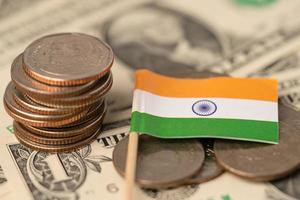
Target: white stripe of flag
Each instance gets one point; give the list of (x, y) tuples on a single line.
[(227, 108)]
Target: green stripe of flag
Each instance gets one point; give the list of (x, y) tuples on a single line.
[(261, 131)]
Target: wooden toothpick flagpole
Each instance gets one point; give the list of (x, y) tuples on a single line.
[(131, 165)]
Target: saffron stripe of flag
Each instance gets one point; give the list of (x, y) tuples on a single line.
[(227, 87)]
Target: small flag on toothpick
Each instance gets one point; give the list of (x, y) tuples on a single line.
[(222, 107)]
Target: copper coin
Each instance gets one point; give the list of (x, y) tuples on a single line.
[(85, 99), (28, 104), (210, 169), (70, 131), (28, 117), (55, 106), (67, 59), (30, 86), (56, 148), (161, 163), (92, 112), (26, 133), (264, 162)]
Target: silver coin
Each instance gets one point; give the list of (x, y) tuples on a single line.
[(264, 162), (210, 169), (161, 163)]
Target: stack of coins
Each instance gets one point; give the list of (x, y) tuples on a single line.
[(56, 95)]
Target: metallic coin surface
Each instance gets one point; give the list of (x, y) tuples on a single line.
[(210, 169), (25, 116), (264, 162), (28, 104), (74, 130), (67, 59), (51, 105), (26, 133), (92, 112), (56, 148), (85, 99), (161, 163), (33, 87)]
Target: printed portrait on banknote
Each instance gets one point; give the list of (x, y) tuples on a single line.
[(163, 40)]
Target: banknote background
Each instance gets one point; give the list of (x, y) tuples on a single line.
[(172, 37)]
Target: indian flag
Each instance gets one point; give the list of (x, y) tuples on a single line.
[(222, 107)]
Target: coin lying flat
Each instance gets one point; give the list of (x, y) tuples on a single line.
[(99, 90), (28, 104), (33, 87), (264, 162), (67, 59), (56, 148), (28, 117), (210, 169), (161, 163)]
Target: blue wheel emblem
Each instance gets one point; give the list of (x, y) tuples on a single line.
[(204, 107)]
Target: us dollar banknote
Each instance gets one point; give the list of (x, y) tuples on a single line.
[(287, 71), (171, 37), (84, 174), (89, 174), (2, 176), (4, 188), (286, 188)]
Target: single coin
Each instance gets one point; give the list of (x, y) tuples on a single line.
[(161, 163), (25, 116), (71, 131), (56, 148), (210, 169), (55, 106), (67, 59), (28, 104), (85, 99), (264, 162), (30, 86)]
